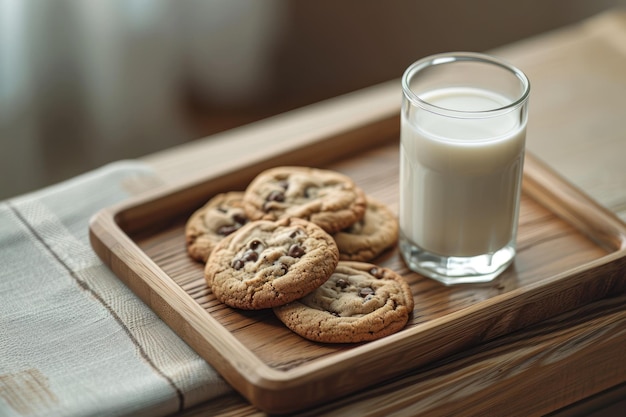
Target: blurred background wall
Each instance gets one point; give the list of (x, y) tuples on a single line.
[(87, 82)]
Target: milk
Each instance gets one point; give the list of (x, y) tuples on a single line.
[(461, 178)]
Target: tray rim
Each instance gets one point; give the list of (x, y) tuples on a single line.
[(106, 232)]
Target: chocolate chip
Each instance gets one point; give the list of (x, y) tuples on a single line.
[(284, 268), (238, 264), (250, 255), (240, 218), (226, 230), (376, 272), (364, 292), (283, 184), (276, 196), (255, 244), (342, 283), (295, 251)]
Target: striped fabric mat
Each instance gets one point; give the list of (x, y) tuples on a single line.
[(74, 340)]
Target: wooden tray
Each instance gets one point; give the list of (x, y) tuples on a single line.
[(570, 253)]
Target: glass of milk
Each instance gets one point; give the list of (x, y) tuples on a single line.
[(463, 130)]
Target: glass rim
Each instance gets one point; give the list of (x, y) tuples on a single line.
[(452, 57)]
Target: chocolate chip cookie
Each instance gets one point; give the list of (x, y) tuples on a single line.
[(218, 218), (359, 302), (370, 236), (326, 198), (270, 263)]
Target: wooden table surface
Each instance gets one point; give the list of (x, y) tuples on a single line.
[(577, 125)]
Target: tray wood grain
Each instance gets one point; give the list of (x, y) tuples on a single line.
[(570, 253)]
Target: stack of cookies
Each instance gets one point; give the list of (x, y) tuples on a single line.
[(298, 240)]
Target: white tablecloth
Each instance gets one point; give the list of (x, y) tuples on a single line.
[(74, 340)]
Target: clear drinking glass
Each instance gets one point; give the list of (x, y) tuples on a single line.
[(463, 131)]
